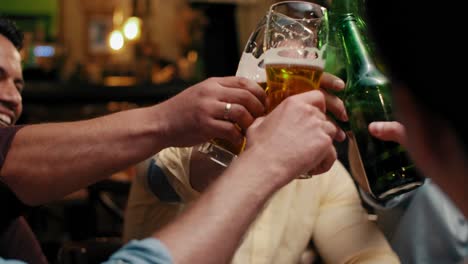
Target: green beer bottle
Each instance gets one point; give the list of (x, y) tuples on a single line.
[(382, 168)]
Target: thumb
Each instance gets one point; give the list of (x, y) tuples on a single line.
[(388, 131)]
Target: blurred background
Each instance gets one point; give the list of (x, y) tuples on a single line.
[(83, 51), (86, 58)]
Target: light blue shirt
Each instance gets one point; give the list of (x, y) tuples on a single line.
[(3, 261), (145, 251), (425, 227)]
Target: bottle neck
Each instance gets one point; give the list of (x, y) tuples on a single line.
[(357, 53), (347, 7)]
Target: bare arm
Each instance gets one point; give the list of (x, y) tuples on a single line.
[(218, 220), (48, 161)]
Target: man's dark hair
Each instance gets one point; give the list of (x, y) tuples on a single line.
[(419, 43), (10, 31)]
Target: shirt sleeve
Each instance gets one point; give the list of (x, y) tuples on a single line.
[(343, 233), (149, 250), (386, 205), (11, 206), (175, 163), (159, 192), (6, 137)]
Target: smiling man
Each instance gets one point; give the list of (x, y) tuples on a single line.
[(15, 233), (11, 76)]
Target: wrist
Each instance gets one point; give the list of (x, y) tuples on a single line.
[(159, 125), (264, 179)]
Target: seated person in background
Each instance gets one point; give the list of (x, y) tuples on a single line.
[(326, 209)]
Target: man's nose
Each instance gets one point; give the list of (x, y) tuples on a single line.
[(9, 93)]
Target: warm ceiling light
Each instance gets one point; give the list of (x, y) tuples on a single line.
[(116, 40), (132, 28)]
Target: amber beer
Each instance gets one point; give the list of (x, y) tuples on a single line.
[(286, 79), (289, 79)]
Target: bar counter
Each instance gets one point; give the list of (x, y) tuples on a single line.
[(50, 102), (54, 92)]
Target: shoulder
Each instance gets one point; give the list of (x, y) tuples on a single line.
[(175, 157), (10, 261)]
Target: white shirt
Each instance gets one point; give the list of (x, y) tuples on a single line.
[(325, 208)]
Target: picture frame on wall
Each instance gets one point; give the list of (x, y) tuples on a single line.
[(99, 27)]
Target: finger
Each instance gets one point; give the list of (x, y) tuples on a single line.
[(225, 130), (315, 98), (236, 114), (326, 163), (332, 82), (331, 129), (388, 131), (244, 83), (340, 135), (336, 106), (240, 116), (244, 98)]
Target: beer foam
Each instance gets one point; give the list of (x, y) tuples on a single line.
[(294, 56), (251, 68)]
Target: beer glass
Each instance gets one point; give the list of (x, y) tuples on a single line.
[(251, 66), (296, 37)]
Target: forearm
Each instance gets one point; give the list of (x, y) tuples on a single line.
[(47, 161), (210, 230)]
